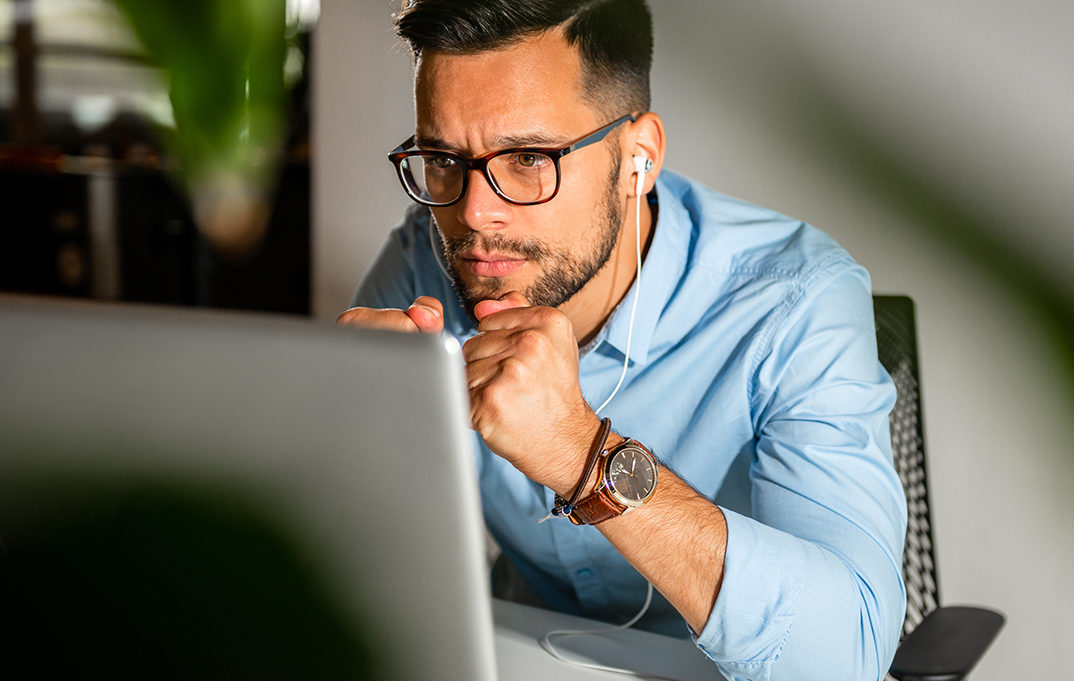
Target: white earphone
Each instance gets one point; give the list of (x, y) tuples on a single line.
[(642, 165)]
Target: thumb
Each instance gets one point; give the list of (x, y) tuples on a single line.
[(505, 302), (428, 314)]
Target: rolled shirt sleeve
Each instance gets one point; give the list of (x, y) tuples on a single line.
[(812, 585)]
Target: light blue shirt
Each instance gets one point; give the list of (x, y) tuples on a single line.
[(754, 376)]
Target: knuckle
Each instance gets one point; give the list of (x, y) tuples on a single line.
[(553, 319), (562, 323), (514, 369), (530, 340)]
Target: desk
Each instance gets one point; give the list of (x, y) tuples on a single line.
[(519, 656)]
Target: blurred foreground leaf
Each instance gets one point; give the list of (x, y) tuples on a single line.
[(224, 62)]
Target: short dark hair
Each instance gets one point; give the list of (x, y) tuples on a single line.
[(614, 37)]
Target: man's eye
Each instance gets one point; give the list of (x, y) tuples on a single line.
[(530, 160), (442, 162)]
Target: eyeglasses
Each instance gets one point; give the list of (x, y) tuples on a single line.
[(522, 176)]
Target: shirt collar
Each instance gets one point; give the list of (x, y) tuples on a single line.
[(663, 266)]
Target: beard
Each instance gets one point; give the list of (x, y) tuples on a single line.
[(562, 275)]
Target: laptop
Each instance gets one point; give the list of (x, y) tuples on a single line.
[(203, 494)]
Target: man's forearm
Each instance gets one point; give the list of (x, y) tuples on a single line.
[(676, 541)]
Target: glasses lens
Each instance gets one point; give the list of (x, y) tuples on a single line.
[(434, 178), (524, 176)]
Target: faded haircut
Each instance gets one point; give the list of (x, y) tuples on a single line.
[(614, 38)]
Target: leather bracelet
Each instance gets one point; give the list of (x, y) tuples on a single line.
[(563, 507)]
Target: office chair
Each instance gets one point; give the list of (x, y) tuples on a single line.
[(938, 643)]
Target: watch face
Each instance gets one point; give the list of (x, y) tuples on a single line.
[(632, 474)]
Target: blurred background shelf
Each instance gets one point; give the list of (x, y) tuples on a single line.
[(90, 202)]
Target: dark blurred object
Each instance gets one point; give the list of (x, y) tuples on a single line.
[(44, 238), (24, 121), (166, 260), (59, 236), (939, 643), (156, 582)]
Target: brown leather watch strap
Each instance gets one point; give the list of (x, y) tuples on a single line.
[(595, 508)]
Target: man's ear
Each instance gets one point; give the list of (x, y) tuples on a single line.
[(646, 140)]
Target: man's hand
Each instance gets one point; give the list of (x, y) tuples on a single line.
[(525, 400), (425, 315)]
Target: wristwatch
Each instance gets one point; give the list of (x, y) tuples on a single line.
[(628, 480)]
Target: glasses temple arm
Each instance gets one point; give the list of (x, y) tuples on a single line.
[(598, 135)]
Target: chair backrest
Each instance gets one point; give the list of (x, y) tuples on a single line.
[(896, 339)]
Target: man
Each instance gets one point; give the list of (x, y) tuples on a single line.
[(775, 527)]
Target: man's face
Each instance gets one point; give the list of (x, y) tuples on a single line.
[(525, 95)]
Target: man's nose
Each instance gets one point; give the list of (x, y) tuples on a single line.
[(480, 206)]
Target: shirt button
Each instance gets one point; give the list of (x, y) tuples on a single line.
[(584, 573)]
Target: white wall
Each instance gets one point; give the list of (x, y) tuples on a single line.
[(973, 98), (361, 110)]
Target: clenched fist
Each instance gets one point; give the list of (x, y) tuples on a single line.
[(525, 400)]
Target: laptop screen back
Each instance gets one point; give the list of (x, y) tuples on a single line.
[(203, 494)]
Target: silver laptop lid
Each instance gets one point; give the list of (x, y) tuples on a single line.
[(349, 445)]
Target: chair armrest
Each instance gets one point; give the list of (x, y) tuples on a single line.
[(946, 645)]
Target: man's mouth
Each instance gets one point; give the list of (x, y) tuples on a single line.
[(491, 264)]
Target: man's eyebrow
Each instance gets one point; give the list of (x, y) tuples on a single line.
[(425, 142), (529, 139)]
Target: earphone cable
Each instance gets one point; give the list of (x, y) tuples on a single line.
[(546, 640)]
